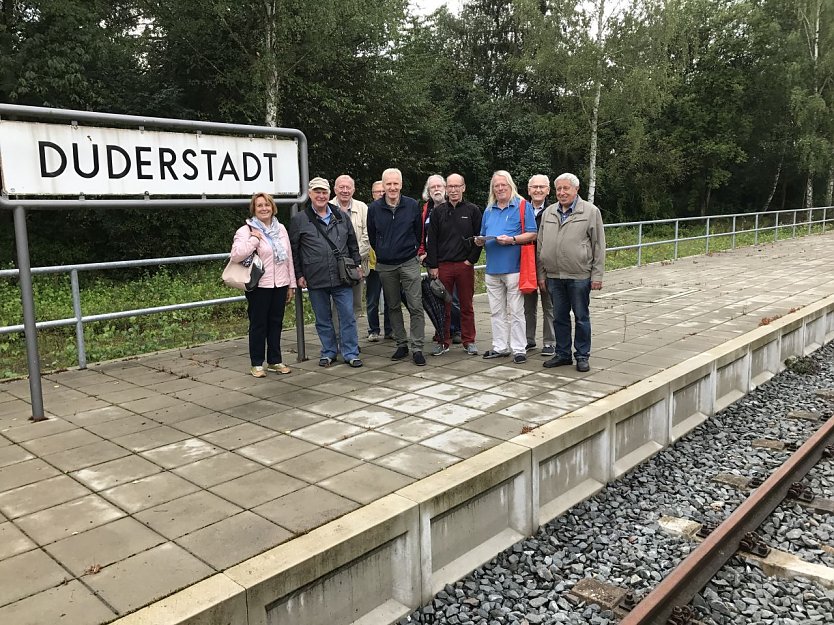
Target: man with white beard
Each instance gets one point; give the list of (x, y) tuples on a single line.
[(434, 194)]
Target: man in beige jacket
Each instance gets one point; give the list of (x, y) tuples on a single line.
[(344, 188), (570, 263)]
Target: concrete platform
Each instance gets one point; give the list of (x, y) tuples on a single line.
[(175, 488)]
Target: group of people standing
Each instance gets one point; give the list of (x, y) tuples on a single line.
[(390, 239)]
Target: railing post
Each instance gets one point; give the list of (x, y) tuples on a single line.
[(733, 243), (27, 299), (756, 231), (824, 217), (79, 324), (706, 251), (639, 243), (301, 345), (793, 235), (776, 229), (810, 219), (677, 222)]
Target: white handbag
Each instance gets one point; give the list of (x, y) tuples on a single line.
[(246, 275)]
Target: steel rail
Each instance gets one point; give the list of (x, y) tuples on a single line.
[(691, 575)]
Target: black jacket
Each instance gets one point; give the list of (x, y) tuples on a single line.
[(395, 233), (313, 258), (449, 231)]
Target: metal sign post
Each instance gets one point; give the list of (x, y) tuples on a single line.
[(27, 299), (48, 160)]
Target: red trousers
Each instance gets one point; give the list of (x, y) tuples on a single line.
[(461, 276)]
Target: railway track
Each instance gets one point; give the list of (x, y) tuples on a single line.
[(756, 482)]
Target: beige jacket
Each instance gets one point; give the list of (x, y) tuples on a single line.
[(574, 249), (359, 219)]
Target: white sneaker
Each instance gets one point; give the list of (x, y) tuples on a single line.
[(373, 337), (440, 349)]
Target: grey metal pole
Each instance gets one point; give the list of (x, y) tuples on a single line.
[(27, 298), (79, 324), (301, 346)]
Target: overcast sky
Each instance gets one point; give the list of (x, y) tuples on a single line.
[(428, 6)]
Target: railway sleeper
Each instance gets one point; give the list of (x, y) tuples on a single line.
[(799, 492), (774, 562)]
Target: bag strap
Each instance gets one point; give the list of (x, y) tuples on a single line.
[(522, 206), (315, 221)]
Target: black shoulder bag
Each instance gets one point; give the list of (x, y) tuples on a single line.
[(348, 271)]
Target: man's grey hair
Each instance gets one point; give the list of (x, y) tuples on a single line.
[(392, 170), (573, 180), (503, 173), (546, 179), (426, 195)]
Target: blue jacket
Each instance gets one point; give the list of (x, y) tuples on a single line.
[(395, 233)]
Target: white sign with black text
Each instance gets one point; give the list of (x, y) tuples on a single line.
[(65, 160)]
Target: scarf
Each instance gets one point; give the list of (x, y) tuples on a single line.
[(271, 233)]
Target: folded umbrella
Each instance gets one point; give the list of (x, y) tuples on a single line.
[(434, 306)]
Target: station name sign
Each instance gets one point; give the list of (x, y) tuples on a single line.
[(38, 159)]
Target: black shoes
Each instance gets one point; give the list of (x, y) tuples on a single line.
[(457, 339), (558, 361), (519, 359), (418, 359), (401, 353), (582, 366)]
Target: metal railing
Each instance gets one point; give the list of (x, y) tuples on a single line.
[(761, 224), (817, 216)]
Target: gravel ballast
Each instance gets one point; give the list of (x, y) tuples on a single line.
[(614, 537)]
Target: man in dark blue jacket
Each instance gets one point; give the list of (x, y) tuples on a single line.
[(395, 229)]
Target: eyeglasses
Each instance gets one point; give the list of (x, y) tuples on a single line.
[(538, 186), (454, 186)]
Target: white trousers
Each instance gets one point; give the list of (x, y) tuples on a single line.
[(506, 305)]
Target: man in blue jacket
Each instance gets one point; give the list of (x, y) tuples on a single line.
[(395, 229)]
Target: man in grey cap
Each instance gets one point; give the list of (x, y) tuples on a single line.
[(314, 232)]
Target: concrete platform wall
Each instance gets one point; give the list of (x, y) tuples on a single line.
[(378, 563)]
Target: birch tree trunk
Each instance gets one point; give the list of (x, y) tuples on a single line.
[(829, 188), (775, 184), (271, 118), (592, 156)]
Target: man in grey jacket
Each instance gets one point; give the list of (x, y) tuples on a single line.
[(570, 264), (317, 270)]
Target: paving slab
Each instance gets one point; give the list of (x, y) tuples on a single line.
[(306, 509), (27, 574), (67, 604), (40, 495), (211, 544), (186, 514), (13, 541), (153, 574), (149, 491), (257, 488), (103, 545), (62, 520)]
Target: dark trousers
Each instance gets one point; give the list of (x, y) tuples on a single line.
[(266, 319), (373, 291), (459, 277)]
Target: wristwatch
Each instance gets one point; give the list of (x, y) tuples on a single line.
[(514, 241)]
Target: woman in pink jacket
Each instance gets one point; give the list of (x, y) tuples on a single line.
[(264, 233)]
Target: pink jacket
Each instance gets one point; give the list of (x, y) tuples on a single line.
[(275, 274)]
